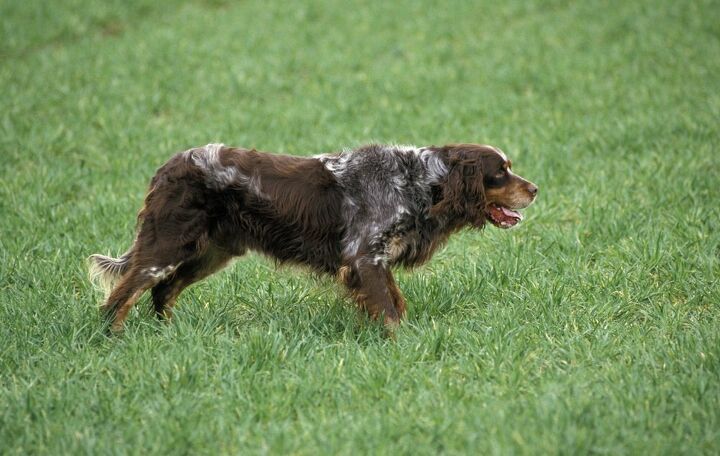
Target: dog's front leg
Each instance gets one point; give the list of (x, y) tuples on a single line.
[(373, 287)]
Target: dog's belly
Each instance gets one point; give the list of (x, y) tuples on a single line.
[(296, 249), (287, 242)]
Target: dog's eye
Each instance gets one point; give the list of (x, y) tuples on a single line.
[(500, 174)]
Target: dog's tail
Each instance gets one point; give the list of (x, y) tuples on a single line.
[(105, 271)]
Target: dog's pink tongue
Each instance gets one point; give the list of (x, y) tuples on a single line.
[(511, 214), (504, 217)]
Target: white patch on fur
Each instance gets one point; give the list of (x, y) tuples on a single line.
[(159, 274), (375, 260), (379, 259), (335, 163), (434, 165), (351, 248), (398, 181), (402, 147), (217, 176)]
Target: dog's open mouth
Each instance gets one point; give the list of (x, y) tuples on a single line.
[(502, 217)]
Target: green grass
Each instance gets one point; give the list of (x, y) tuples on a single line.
[(592, 328)]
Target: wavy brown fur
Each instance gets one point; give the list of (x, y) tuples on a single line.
[(353, 214)]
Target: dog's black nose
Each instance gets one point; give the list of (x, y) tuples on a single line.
[(532, 189)]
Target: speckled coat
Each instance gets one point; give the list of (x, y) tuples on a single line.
[(353, 214)]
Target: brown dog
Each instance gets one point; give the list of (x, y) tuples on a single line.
[(353, 214)]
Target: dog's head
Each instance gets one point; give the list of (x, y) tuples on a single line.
[(480, 186)]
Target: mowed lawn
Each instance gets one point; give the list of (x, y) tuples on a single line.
[(593, 327)]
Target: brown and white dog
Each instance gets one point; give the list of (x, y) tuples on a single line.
[(353, 214)]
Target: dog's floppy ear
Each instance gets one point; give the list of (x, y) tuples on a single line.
[(463, 192)]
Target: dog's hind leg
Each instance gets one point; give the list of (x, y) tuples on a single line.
[(145, 272), (125, 294), (165, 293)]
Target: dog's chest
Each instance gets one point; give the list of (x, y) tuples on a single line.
[(396, 248), (409, 248)]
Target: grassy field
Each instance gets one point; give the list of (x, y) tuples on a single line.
[(594, 327)]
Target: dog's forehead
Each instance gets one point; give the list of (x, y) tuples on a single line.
[(496, 156), (500, 153)]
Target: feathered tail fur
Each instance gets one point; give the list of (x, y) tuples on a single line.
[(105, 271)]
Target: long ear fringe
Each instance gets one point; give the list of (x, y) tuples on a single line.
[(453, 191), (463, 192)]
